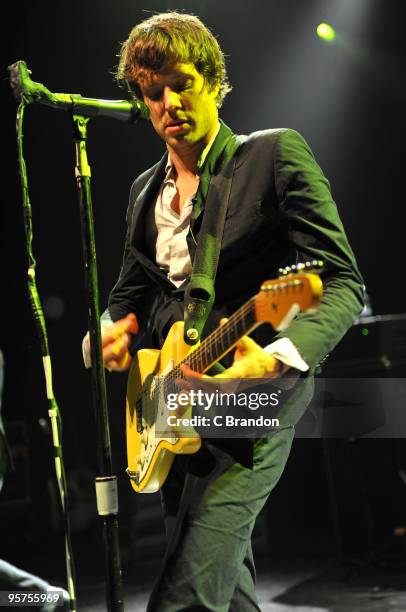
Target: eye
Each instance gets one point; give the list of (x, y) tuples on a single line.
[(153, 94), (182, 86)]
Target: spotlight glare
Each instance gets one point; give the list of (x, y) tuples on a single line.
[(326, 32)]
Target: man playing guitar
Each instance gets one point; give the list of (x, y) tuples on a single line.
[(280, 210)]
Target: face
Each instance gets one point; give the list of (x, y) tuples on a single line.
[(182, 107)]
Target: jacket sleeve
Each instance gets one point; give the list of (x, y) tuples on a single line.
[(315, 229), (134, 291)]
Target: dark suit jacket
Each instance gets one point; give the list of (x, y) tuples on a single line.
[(280, 211)]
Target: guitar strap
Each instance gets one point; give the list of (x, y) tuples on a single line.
[(200, 293)]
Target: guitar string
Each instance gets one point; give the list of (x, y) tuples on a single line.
[(216, 338), (213, 339), (218, 335), (197, 358)]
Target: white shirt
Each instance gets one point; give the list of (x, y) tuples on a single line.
[(172, 253)]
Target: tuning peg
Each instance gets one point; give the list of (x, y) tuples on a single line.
[(308, 265)]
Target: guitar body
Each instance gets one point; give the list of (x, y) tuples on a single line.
[(150, 454), (152, 440)]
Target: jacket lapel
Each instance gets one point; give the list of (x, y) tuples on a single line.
[(144, 198), (210, 167), (222, 150)]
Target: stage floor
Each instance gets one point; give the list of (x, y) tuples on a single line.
[(297, 585)]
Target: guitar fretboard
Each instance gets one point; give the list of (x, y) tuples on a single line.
[(218, 343)]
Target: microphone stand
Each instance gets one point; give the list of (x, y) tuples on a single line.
[(106, 482)]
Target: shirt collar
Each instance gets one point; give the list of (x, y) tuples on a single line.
[(169, 165)]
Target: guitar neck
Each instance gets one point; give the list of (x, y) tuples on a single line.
[(222, 340), (277, 303)]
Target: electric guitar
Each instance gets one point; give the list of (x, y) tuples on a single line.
[(151, 442)]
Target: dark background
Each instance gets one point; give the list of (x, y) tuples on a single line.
[(347, 99)]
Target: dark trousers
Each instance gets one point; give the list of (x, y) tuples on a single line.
[(209, 522)]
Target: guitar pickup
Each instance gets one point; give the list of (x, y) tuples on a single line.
[(138, 406)]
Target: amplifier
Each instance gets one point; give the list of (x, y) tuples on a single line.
[(373, 346)]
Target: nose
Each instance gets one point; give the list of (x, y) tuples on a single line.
[(171, 99)]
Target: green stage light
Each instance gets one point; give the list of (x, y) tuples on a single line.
[(326, 32)]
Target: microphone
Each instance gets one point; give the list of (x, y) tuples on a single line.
[(24, 87)]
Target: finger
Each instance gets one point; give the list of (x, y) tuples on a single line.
[(123, 326), (223, 321), (274, 367), (120, 365), (117, 349), (112, 365), (112, 332), (125, 361), (187, 371), (246, 344), (243, 346), (132, 323), (235, 371)]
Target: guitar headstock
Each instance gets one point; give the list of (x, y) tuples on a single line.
[(298, 288)]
